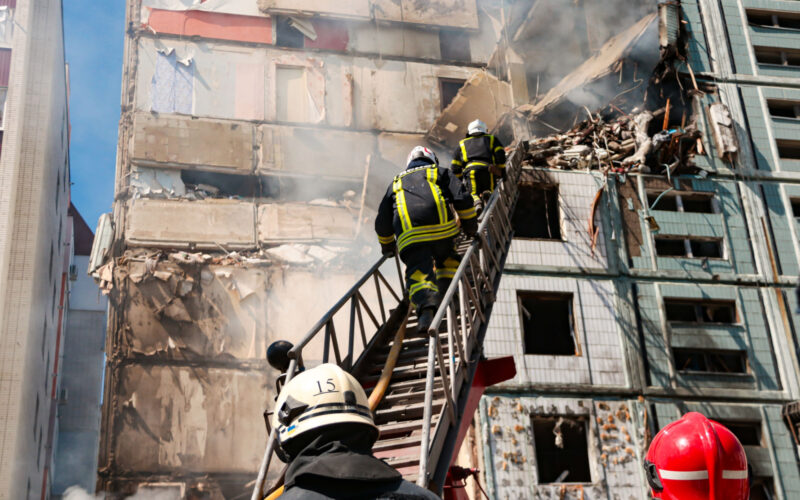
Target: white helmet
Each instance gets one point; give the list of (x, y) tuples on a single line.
[(421, 152), (477, 127), (319, 397)]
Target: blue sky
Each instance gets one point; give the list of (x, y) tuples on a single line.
[(94, 37)]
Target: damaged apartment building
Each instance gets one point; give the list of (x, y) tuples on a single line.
[(655, 233)]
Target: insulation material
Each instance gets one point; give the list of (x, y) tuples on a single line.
[(340, 8), (451, 13), (177, 141), (181, 224), (211, 25), (482, 96), (179, 418), (238, 7), (304, 222), (157, 183), (172, 84), (183, 310)]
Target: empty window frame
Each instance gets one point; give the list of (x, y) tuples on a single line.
[(777, 56), (692, 248), (291, 99), (286, 35), (562, 449), (773, 19), (709, 361), (448, 88), (696, 202), (795, 207), (548, 323), (700, 311), (454, 45), (780, 108), (537, 214), (788, 150), (749, 433), (762, 488)]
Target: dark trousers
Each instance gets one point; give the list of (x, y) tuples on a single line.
[(430, 267)]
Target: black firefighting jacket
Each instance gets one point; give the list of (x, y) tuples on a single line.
[(415, 206), (477, 152)]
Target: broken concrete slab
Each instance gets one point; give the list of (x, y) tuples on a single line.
[(177, 141), (208, 224), (482, 96)]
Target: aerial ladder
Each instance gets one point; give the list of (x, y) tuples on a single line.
[(423, 386)]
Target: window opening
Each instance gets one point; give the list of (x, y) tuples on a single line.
[(448, 88), (748, 433), (537, 214), (562, 450), (773, 19), (777, 56), (783, 109), (291, 99), (795, 207), (454, 45), (287, 35), (547, 323), (694, 202), (698, 360), (692, 248), (789, 150), (700, 311)]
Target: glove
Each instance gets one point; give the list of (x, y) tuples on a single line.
[(389, 249), (470, 226)]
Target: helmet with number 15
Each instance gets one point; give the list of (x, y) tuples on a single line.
[(314, 399)]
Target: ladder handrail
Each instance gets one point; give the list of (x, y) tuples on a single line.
[(486, 254)]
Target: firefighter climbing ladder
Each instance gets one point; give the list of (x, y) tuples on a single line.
[(419, 381)]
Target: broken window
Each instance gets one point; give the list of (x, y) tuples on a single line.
[(286, 35), (700, 311), (547, 323), (783, 109), (448, 88), (454, 45), (291, 99), (676, 201), (562, 450), (701, 360), (779, 56), (788, 150), (748, 433), (692, 248), (537, 212), (773, 19)]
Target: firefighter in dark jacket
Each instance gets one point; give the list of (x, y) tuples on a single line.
[(414, 219), (326, 432), (479, 160)]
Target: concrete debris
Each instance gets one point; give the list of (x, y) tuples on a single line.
[(722, 129)]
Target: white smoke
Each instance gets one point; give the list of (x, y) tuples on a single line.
[(78, 493)]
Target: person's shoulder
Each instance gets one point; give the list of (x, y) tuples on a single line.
[(298, 493), (409, 488)]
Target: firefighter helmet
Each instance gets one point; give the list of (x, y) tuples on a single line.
[(696, 458), (421, 152), (322, 396), (477, 127)]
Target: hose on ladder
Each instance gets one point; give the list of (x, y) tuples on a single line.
[(376, 396)]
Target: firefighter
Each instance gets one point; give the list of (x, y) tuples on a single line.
[(414, 219), (325, 432), (479, 160), (695, 458)]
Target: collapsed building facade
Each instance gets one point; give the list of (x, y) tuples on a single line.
[(654, 234)]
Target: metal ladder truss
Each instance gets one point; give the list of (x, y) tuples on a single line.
[(421, 411)]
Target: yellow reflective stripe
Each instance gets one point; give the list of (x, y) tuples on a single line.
[(432, 233), (422, 286), (433, 175), (491, 143), (456, 162), (498, 148), (467, 214), (473, 182), (385, 239), (400, 199), (463, 145), (477, 164), (445, 273)]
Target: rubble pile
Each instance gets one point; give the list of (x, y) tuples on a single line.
[(614, 141)]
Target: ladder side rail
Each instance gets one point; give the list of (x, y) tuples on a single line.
[(486, 252)]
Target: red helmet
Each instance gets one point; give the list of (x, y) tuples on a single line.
[(696, 458)]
